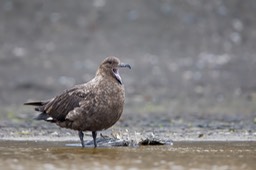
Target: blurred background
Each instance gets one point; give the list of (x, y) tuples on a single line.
[(189, 58)]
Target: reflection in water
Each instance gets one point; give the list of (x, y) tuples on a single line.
[(186, 155)]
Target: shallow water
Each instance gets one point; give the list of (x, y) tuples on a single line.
[(182, 155)]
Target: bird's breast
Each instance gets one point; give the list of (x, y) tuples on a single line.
[(108, 106), (112, 95)]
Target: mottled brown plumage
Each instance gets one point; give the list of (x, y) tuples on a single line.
[(93, 106)]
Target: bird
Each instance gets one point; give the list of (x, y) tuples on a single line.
[(92, 106)]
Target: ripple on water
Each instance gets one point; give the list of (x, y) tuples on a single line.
[(182, 155)]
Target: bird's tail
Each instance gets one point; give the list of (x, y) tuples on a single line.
[(39, 108), (40, 103)]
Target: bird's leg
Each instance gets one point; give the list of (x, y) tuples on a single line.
[(94, 135), (81, 136)]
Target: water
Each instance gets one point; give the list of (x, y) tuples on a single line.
[(182, 155)]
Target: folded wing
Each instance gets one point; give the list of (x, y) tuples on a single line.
[(56, 109)]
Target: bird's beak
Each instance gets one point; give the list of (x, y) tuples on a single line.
[(124, 65)]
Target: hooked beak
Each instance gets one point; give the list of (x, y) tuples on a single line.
[(125, 65), (116, 72)]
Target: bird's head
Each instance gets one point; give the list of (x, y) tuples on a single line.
[(110, 66)]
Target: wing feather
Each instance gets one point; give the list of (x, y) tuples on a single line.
[(61, 105)]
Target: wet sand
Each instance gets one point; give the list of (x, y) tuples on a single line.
[(181, 155)]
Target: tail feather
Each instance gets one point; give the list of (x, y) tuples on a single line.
[(35, 103), (39, 105), (40, 108)]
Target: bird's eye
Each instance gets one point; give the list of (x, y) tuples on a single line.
[(109, 62)]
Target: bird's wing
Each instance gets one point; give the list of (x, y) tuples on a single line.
[(86, 107), (59, 107)]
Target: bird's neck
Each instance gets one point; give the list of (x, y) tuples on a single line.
[(104, 75)]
